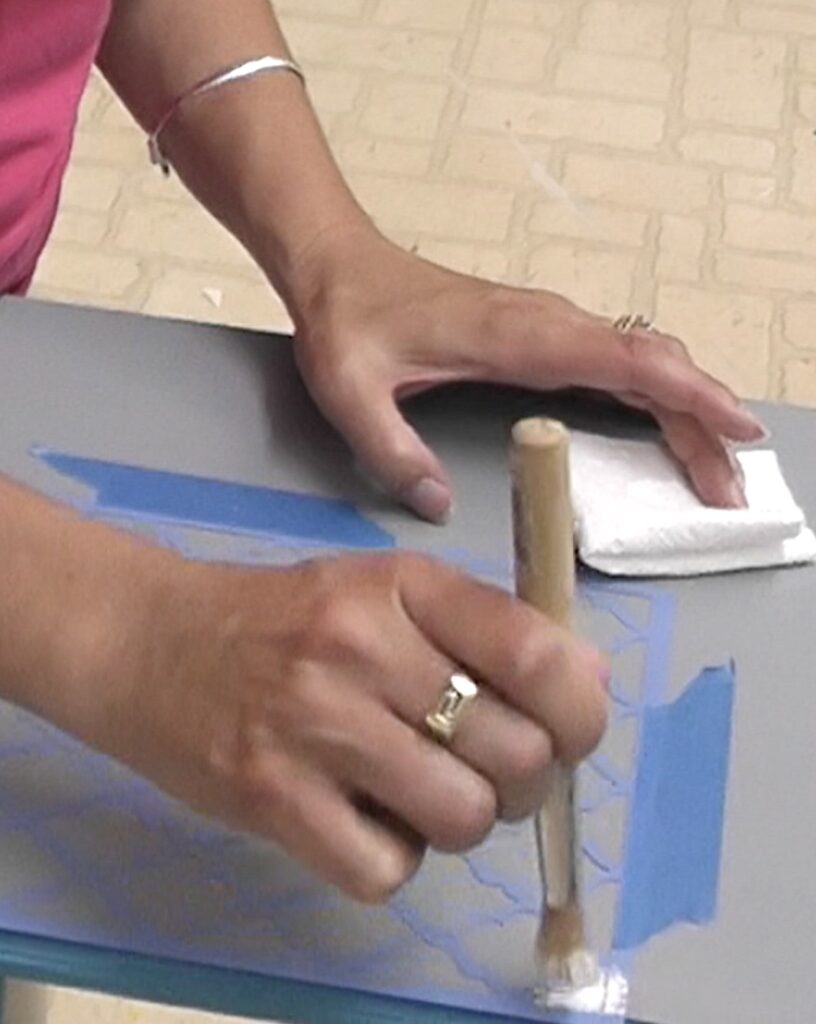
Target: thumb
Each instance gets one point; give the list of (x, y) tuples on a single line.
[(389, 448)]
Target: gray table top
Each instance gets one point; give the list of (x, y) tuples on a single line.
[(225, 404)]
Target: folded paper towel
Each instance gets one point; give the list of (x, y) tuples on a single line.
[(637, 516)]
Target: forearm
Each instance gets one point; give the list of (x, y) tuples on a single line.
[(76, 599), (252, 151)]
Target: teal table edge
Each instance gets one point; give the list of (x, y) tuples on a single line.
[(217, 989)]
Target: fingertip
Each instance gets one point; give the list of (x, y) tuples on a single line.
[(733, 486), (586, 736), (595, 663), (725, 494), (759, 432), (590, 708), (754, 422), (391, 862), (430, 499), (747, 427)]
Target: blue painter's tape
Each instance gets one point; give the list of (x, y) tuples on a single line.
[(672, 859), (159, 496)]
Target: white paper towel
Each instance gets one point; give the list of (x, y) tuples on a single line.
[(637, 516)]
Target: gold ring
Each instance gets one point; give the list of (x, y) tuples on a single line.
[(631, 322), (458, 693)]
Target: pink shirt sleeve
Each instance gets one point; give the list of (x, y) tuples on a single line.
[(47, 48)]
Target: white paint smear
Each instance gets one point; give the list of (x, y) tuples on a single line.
[(537, 171), (608, 995)]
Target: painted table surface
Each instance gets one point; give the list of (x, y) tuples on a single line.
[(105, 883)]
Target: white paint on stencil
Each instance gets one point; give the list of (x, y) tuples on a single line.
[(608, 995)]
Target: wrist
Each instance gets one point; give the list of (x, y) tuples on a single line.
[(130, 656), (284, 236), (89, 598), (110, 647), (315, 270), (255, 155)]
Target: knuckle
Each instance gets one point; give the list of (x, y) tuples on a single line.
[(643, 350), (304, 698), (472, 817), (670, 344), (538, 656), (380, 570), (644, 344), (411, 563), (499, 312), (418, 576), (339, 624), (262, 795), (524, 803), (526, 763)]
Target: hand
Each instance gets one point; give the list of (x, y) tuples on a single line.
[(375, 324), (291, 703)]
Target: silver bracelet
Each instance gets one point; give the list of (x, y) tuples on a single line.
[(233, 74)]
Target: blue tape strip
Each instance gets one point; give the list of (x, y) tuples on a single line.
[(159, 496), (672, 860)]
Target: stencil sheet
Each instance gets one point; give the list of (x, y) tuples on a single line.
[(92, 853)]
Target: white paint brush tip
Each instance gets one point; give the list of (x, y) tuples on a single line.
[(608, 994), (579, 969), (562, 949)]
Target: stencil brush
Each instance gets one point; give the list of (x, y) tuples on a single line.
[(545, 578)]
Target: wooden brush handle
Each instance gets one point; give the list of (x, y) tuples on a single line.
[(545, 578), (542, 518)]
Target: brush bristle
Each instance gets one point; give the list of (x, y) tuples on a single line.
[(562, 949), (609, 995)]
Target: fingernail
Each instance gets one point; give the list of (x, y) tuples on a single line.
[(736, 495), (601, 665), (736, 465), (736, 489), (760, 431), (430, 499)]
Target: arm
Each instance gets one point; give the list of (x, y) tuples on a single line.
[(285, 701), (252, 152), (374, 323), (74, 597)]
